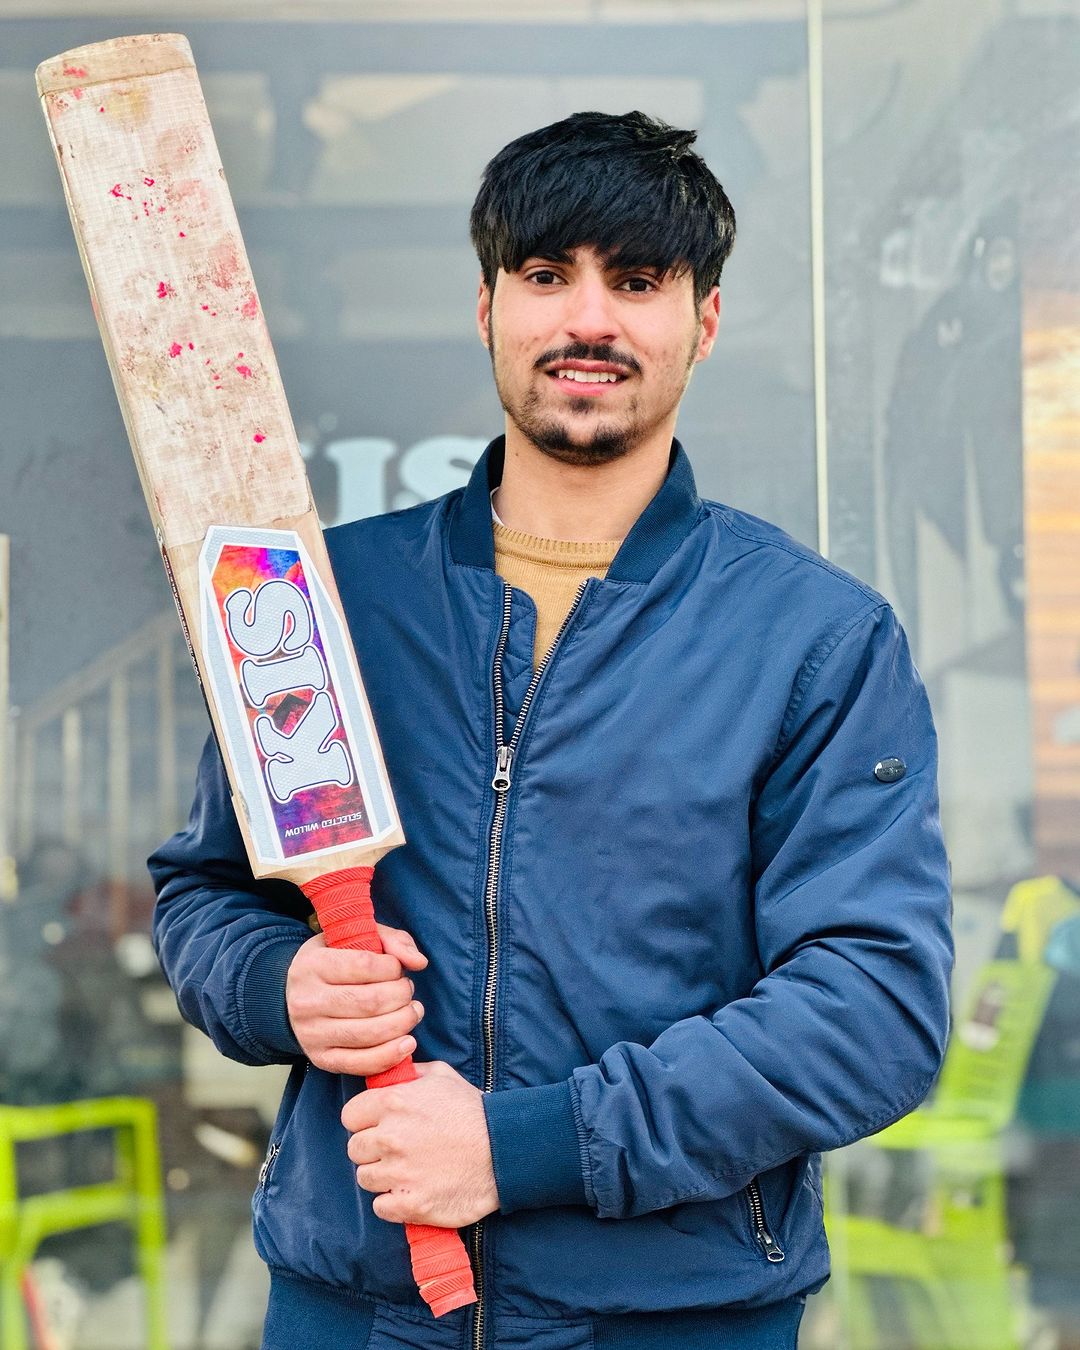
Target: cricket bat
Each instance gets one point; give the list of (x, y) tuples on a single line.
[(229, 498)]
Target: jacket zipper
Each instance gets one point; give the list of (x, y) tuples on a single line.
[(769, 1244), (267, 1163), (504, 759)]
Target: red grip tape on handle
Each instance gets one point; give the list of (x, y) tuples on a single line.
[(440, 1262)]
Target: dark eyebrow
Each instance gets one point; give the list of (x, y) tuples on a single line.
[(565, 257), (562, 256)]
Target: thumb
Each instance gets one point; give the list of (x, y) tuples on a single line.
[(398, 943), (434, 1067)]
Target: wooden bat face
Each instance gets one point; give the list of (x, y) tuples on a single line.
[(205, 409), (173, 293)]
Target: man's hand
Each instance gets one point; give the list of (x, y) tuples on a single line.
[(352, 1011), (423, 1148)]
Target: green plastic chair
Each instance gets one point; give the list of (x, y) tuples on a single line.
[(953, 1271), (133, 1196)]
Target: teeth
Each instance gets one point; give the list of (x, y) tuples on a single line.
[(588, 376)]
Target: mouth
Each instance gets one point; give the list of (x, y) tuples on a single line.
[(590, 379)]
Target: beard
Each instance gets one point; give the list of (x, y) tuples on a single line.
[(555, 436), (603, 444)]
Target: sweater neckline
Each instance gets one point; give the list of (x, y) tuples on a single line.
[(554, 552), (657, 533)]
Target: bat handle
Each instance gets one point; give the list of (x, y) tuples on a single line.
[(440, 1263)]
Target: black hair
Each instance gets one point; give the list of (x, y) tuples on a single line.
[(628, 185)]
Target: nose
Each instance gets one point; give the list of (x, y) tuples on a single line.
[(590, 312)]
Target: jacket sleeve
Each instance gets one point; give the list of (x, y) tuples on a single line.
[(225, 940), (846, 1029)]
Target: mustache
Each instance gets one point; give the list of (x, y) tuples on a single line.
[(585, 351)]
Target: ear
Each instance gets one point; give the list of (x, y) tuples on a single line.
[(709, 317), (483, 313)]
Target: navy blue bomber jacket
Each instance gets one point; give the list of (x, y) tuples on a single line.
[(695, 942)]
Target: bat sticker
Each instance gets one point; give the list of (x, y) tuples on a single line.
[(299, 737)]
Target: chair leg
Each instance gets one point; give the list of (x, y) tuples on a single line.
[(150, 1226), (152, 1272), (12, 1314)]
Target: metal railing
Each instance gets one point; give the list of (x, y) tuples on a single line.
[(97, 759)]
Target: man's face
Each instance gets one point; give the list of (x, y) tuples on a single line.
[(591, 360)]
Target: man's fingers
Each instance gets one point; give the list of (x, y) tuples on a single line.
[(365, 1110), (355, 1000), (395, 1208), (370, 1179), (437, 1068), (363, 1033), (343, 965), (364, 1063), (362, 1147), (398, 943)]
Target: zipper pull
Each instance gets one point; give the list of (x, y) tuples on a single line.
[(501, 781), (267, 1163), (773, 1250)]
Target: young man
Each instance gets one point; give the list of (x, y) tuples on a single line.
[(668, 783)]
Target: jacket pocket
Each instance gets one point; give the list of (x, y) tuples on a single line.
[(289, 1099), (762, 1232)]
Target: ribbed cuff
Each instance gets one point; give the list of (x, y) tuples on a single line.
[(262, 998), (534, 1147)]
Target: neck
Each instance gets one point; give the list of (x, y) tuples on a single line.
[(539, 495)]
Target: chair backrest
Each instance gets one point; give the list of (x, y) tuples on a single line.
[(989, 1051), (1033, 908)]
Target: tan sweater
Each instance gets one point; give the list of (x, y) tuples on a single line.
[(549, 571)]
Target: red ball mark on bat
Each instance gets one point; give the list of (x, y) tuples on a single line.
[(77, 93), (258, 438), (176, 349), (164, 289), (102, 108), (245, 371), (184, 236), (149, 182), (250, 307), (77, 71), (204, 306), (191, 346), (117, 191), (224, 265)]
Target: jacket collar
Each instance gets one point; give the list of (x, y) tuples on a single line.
[(655, 535)]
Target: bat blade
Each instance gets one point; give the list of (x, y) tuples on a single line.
[(205, 409)]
